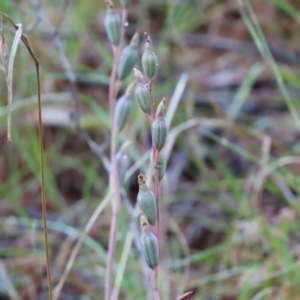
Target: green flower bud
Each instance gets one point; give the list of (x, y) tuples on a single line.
[(125, 3), (160, 165), (159, 132), (123, 109), (123, 165), (143, 98), (129, 58), (159, 127), (146, 200), (149, 62), (149, 58), (149, 247), (113, 26)]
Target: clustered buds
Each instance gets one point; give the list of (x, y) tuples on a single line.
[(129, 57), (113, 26), (159, 127), (149, 59), (149, 246), (146, 200)]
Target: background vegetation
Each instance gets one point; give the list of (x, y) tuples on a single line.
[(231, 196)]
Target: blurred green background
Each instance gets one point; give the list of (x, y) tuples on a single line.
[(231, 194)]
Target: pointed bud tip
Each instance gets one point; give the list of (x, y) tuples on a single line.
[(161, 108), (136, 37), (138, 75), (148, 43), (147, 37), (141, 179), (143, 220)]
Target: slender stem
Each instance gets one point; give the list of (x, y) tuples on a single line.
[(153, 276), (150, 83), (78, 245), (43, 192), (44, 204), (114, 176), (157, 192)]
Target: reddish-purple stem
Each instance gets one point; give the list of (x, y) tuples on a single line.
[(157, 192), (114, 176), (150, 83), (153, 276)]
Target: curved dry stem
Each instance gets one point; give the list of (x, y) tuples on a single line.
[(78, 245), (42, 167)]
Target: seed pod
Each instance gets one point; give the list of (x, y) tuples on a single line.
[(149, 58), (146, 200), (143, 98), (161, 164), (159, 132), (123, 165), (125, 3), (149, 247), (142, 93), (113, 26), (149, 62), (129, 58), (123, 109), (159, 127)]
